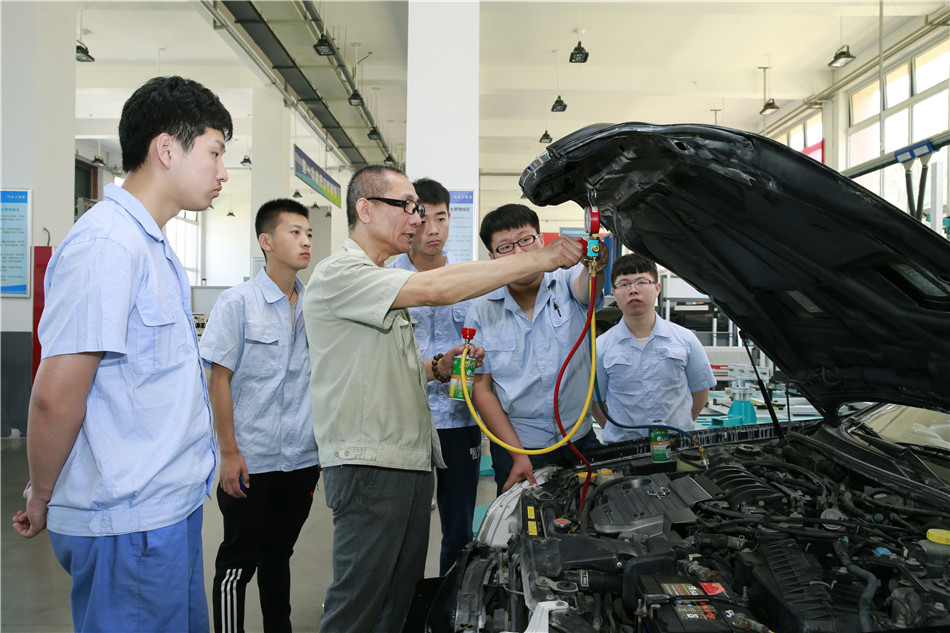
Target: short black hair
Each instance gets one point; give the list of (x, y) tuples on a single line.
[(505, 218), (632, 264), (269, 213), (181, 107), (367, 182), (431, 192), (268, 216)]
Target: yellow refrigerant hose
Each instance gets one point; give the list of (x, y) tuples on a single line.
[(580, 419)]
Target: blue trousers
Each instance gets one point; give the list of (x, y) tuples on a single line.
[(380, 537), (502, 462), (147, 582)]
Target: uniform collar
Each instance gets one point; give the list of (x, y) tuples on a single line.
[(136, 209), (661, 328), (403, 261), (270, 291)]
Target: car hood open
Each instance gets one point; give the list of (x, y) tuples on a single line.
[(847, 294)]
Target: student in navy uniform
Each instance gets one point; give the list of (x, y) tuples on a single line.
[(120, 440), (256, 348), (440, 328)]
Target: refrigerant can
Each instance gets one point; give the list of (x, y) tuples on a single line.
[(660, 445), (455, 384)]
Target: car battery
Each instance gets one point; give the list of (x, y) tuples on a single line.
[(678, 604)]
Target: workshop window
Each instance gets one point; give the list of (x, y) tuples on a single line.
[(933, 67), (805, 136), (865, 103), (897, 84), (183, 233), (917, 94)]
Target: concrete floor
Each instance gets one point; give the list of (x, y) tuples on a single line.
[(34, 589)]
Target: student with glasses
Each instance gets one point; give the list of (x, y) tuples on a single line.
[(648, 369), (528, 328), (372, 421)]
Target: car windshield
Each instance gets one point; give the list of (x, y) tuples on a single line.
[(910, 425)]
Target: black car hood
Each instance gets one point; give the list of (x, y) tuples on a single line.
[(847, 294)]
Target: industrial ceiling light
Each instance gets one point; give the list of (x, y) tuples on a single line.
[(545, 138), (389, 161), (559, 105), (323, 46), (297, 193), (82, 52), (356, 99), (246, 161), (579, 55), (230, 214), (374, 134), (842, 58), (770, 107), (98, 160)]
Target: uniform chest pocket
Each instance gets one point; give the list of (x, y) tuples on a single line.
[(459, 312), (161, 340), (670, 362), (623, 369), (262, 349), (503, 354)]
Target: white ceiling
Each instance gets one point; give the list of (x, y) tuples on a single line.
[(656, 62)]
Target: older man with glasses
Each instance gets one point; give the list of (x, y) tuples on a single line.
[(528, 328), (378, 442)]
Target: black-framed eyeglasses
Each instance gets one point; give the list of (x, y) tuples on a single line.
[(639, 285), (403, 204), (507, 247)]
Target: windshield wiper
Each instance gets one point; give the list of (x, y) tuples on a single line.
[(907, 454), (927, 449)]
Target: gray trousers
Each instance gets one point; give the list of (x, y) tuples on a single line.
[(380, 538)]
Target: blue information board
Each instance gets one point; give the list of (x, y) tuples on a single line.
[(15, 258)]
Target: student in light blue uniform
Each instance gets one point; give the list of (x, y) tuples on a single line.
[(438, 329), (120, 437), (256, 348), (648, 369), (528, 328)]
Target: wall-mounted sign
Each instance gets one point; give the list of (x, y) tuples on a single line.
[(15, 213), (461, 241), (309, 172)]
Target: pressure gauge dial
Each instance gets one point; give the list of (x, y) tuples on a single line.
[(592, 220)]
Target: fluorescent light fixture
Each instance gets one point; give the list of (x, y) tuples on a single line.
[(545, 138), (579, 55), (356, 99), (842, 58), (374, 134), (323, 46), (246, 161), (82, 53), (558, 105), (770, 107)]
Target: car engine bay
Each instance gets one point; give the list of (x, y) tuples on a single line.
[(786, 534)]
